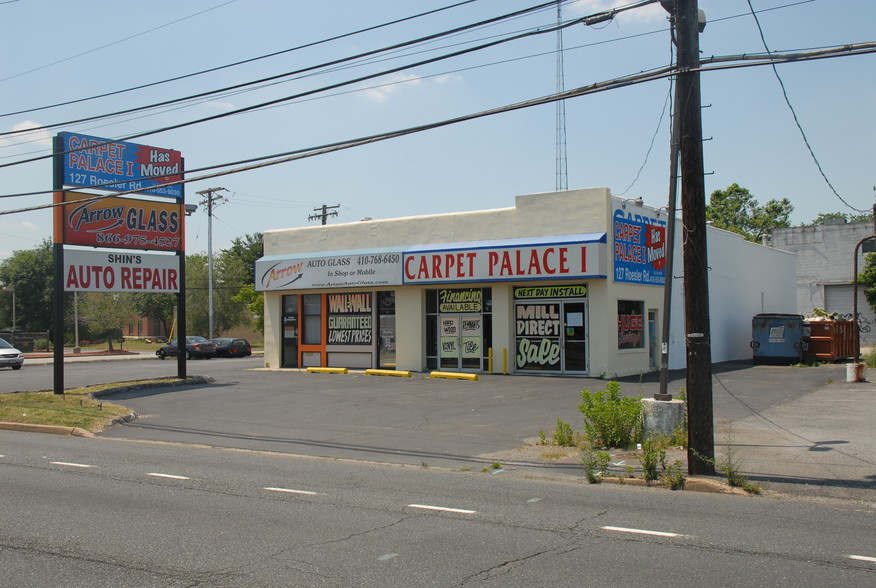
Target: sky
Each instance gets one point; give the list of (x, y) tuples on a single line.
[(63, 50)]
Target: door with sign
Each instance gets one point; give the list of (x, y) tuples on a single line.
[(460, 341)]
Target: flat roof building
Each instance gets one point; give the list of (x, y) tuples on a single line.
[(565, 283)]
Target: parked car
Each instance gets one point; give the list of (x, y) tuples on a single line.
[(195, 347), (231, 347), (10, 356)]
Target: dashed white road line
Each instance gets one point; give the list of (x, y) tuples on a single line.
[(72, 465), (170, 476), (862, 558), (291, 491), (642, 532), (442, 508)]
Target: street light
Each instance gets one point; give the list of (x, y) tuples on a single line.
[(11, 289)]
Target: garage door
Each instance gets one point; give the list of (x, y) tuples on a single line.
[(838, 298)]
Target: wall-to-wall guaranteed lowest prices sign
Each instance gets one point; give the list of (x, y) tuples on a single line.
[(99, 271), (116, 221), (115, 165)]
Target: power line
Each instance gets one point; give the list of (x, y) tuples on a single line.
[(296, 72), (586, 20), (642, 77), (221, 67), (794, 114), (140, 34)]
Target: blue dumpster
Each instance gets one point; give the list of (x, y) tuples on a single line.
[(777, 339)]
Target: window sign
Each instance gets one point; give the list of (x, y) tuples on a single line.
[(471, 337), (538, 336), (350, 320), (630, 324), (449, 326)]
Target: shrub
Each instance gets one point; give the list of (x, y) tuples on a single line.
[(595, 463), (611, 420), (564, 436)]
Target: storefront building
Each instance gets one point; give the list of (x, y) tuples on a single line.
[(565, 283)]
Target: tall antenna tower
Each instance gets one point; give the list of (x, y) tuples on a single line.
[(562, 167)]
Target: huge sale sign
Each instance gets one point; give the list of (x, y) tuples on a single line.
[(119, 166)]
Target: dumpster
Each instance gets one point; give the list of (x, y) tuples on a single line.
[(829, 340), (777, 339)]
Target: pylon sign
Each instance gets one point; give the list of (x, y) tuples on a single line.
[(118, 166)]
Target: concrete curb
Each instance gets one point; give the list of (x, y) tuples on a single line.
[(52, 429), (77, 432)]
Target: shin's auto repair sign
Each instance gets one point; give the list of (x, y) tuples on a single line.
[(97, 271)]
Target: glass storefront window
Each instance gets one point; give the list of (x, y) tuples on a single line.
[(312, 319), (630, 324)]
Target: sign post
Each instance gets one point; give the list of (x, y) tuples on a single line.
[(127, 223)]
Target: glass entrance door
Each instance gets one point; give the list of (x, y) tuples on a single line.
[(574, 337), (460, 344)]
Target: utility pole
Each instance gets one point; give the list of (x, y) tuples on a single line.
[(210, 200), (701, 429), (324, 214)]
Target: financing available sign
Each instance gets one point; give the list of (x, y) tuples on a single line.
[(118, 166)]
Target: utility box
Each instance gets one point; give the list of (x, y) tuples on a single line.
[(777, 339), (829, 340)]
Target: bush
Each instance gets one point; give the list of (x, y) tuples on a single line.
[(611, 420)]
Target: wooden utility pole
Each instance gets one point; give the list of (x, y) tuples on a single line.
[(324, 214), (701, 428)]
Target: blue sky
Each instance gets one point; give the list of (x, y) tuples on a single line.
[(65, 50)]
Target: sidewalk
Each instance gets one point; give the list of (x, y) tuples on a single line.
[(820, 445)]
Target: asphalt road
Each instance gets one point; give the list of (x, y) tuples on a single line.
[(100, 512)]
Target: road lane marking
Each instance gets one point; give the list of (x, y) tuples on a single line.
[(170, 476), (291, 491), (72, 465), (442, 508), (862, 558), (642, 532), (387, 557)]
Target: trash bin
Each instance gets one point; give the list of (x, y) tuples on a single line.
[(777, 339)]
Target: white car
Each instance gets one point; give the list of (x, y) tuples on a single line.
[(10, 356)]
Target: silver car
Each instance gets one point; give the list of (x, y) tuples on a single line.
[(10, 356)]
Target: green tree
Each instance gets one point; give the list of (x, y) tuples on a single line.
[(30, 272), (247, 250), (155, 307), (736, 209), (824, 218), (106, 313), (867, 278), (227, 313)]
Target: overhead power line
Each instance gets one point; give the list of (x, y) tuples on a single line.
[(220, 67), (598, 17), (296, 72), (622, 82), (794, 114)]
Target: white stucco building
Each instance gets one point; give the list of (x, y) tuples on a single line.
[(825, 268), (561, 283)]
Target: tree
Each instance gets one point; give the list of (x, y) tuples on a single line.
[(155, 307), (105, 313), (227, 281), (826, 218), (30, 272), (867, 278), (247, 250), (735, 209)]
